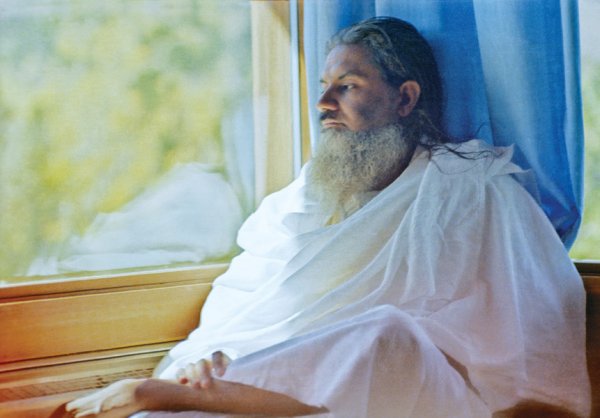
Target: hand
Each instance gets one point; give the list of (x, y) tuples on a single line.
[(200, 375), (118, 395)]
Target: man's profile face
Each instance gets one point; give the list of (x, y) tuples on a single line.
[(355, 96)]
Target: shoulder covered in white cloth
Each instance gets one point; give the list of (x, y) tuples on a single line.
[(455, 242)]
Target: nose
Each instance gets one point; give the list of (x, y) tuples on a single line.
[(327, 102)]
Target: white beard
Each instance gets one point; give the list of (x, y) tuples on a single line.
[(348, 163)]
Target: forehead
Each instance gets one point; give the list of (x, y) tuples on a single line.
[(344, 60)]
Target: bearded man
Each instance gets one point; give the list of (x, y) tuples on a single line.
[(400, 275)]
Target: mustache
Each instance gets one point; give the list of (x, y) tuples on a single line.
[(328, 114)]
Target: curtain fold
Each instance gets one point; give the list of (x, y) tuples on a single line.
[(510, 71)]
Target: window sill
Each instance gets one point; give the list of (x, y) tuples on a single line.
[(46, 320), (94, 282)]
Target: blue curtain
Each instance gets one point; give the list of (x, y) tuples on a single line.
[(510, 70)]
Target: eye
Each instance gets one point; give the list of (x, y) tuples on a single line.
[(346, 87)]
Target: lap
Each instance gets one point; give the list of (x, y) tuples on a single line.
[(379, 363)]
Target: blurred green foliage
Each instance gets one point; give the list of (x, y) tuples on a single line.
[(587, 245), (99, 99)]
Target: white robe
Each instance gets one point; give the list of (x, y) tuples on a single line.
[(455, 249)]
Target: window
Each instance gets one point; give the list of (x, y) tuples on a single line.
[(127, 131), (199, 89), (587, 245)]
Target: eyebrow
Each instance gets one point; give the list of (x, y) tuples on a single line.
[(349, 73)]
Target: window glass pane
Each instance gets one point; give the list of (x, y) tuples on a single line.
[(125, 133), (587, 245)]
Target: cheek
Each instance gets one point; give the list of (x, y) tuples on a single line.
[(365, 113), (375, 111), (359, 104)]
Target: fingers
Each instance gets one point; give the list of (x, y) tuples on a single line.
[(181, 377), (200, 375), (189, 375), (86, 413), (197, 375), (220, 361), (88, 405), (205, 379)]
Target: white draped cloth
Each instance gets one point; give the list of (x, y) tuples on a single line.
[(446, 294)]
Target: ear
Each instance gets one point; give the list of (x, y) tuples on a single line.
[(410, 91)]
